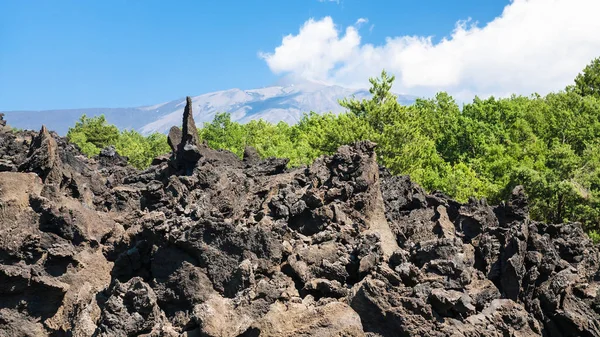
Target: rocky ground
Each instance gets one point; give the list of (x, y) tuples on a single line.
[(205, 244)]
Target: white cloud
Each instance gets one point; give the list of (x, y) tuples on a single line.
[(314, 52), (533, 46), (361, 21)]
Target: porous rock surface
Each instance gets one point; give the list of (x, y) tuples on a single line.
[(203, 243)]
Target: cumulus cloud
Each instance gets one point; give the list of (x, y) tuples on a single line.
[(533, 46)]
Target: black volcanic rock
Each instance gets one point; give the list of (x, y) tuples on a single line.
[(43, 158), (189, 133), (109, 157), (187, 152), (251, 156), (174, 138), (206, 244)]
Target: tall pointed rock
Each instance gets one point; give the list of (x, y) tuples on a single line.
[(189, 132), (188, 152), (43, 158)]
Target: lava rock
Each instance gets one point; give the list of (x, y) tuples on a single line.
[(203, 243)]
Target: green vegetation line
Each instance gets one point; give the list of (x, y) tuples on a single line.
[(549, 144)]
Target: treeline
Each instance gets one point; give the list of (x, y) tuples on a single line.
[(549, 144), (91, 135)]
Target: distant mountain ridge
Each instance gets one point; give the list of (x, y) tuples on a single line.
[(277, 103)]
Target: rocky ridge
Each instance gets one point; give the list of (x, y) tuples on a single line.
[(203, 243)]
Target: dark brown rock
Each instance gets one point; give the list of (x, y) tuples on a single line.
[(189, 149), (251, 156), (174, 138), (109, 157), (203, 243), (43, 158), (189, 133)]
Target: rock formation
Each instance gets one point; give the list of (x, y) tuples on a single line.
[(174, 138), (3, 126), (108, 157), (43, 158), (185, 142), (207, 244)]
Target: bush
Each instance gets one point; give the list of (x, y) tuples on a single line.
[(94, 134)]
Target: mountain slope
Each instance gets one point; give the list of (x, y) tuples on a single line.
[(274, 104)]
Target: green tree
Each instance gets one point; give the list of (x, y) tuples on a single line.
[(141, 150), (439, 120), (587, 83), (382, 108), (93, 134), (223, 133)]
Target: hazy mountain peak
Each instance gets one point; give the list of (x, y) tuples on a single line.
[(285, 101)]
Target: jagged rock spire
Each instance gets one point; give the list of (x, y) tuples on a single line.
[(190, 133), (185, 142), (43, 158)]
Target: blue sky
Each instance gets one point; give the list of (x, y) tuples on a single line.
[(73, 53)]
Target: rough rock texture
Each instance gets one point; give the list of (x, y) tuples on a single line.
[(187, 151), (211, 245), (174, 138), (3, 126)]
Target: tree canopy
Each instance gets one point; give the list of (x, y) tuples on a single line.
[(93, 134)]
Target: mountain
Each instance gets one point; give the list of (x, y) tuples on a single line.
[(277, 103)]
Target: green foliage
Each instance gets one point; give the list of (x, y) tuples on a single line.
[(594, 235), (588, 82), (93, 134), (550, 144), (141, 150), (222, 133)]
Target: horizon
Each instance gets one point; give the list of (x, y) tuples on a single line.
[(183, 98), (74, 55)]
